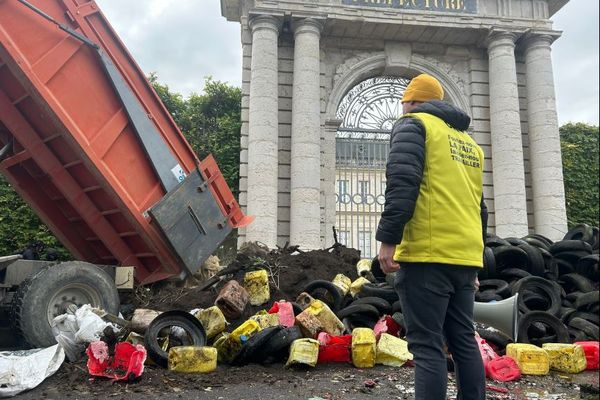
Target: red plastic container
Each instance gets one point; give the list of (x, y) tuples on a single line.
[(286, 313), (334, 348), (592, 353), (126, 364), (74, 153), (502, 369)]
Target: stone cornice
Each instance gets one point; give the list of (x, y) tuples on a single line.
[(333, 10)]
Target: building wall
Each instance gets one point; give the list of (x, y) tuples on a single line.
[(369, 42)]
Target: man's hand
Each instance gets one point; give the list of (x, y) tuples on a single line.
[(386, 258), (476, 283)]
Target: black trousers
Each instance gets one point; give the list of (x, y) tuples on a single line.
[(437, 302)]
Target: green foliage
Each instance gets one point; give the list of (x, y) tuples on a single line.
[(20, 226), (579, 144), (210, 122)]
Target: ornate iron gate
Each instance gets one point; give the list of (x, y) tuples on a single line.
[(368, 112)]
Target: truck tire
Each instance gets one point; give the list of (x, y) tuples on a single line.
[(47, 293)]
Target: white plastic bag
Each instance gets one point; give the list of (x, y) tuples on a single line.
[(64, 328), (74, 332), (90, 324), (25, 369)]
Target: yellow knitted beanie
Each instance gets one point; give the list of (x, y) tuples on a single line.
[(423, 88)]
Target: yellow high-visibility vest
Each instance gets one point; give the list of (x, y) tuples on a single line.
[(446, 224)]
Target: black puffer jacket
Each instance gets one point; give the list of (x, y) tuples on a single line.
[(404, 169)]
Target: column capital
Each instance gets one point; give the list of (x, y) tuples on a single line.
[(265, 21), (308, 25), (537, 39), (497, 37)]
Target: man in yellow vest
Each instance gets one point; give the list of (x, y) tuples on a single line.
[(432, 234)]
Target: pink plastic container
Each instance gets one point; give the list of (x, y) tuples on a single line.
[(487, 353), (386, 325), (285, 312)]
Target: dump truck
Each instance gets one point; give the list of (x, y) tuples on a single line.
[(87, 143)]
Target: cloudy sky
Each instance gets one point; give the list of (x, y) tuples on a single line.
[(184, 41)]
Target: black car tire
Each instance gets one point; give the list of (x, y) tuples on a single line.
[(514, 273), (560, 330), (364, 309), (580, 232), (489, 265), (330, 288), (591, 330), (496, 242), (587, 299), (510, 257), (494, 336), (499, 286), (276, 347), (46, 294), (547, 241), (376, 270), (487, 296), (382, 305), (588, 316), (190, 324), (577, 282), (570, 245), (535, 260), (588, 267), (536, 242), (564, 267), (539, 285), (382, 290)]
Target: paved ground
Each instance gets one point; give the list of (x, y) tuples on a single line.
[(331, 382)]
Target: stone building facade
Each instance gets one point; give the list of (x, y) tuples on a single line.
[(300, 58)]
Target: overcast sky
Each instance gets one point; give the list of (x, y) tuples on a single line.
[(184, 41)]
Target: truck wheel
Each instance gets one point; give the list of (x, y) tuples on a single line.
[(51, 290)]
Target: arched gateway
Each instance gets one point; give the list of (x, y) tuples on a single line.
[(321, 83)]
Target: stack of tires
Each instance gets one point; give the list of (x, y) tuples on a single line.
[(374, 300), (557, 284)]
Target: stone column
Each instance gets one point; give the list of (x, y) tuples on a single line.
[(305, 184), (510, 205), (549, 208), (263, 132), (328, 180)]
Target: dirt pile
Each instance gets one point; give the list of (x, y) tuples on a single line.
[(290, 269)]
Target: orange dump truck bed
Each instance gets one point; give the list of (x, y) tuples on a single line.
[(88, 144)]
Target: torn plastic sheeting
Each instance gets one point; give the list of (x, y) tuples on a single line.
[(25, 369), (126, 364)]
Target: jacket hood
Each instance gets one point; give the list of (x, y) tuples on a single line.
[(451, 115)]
